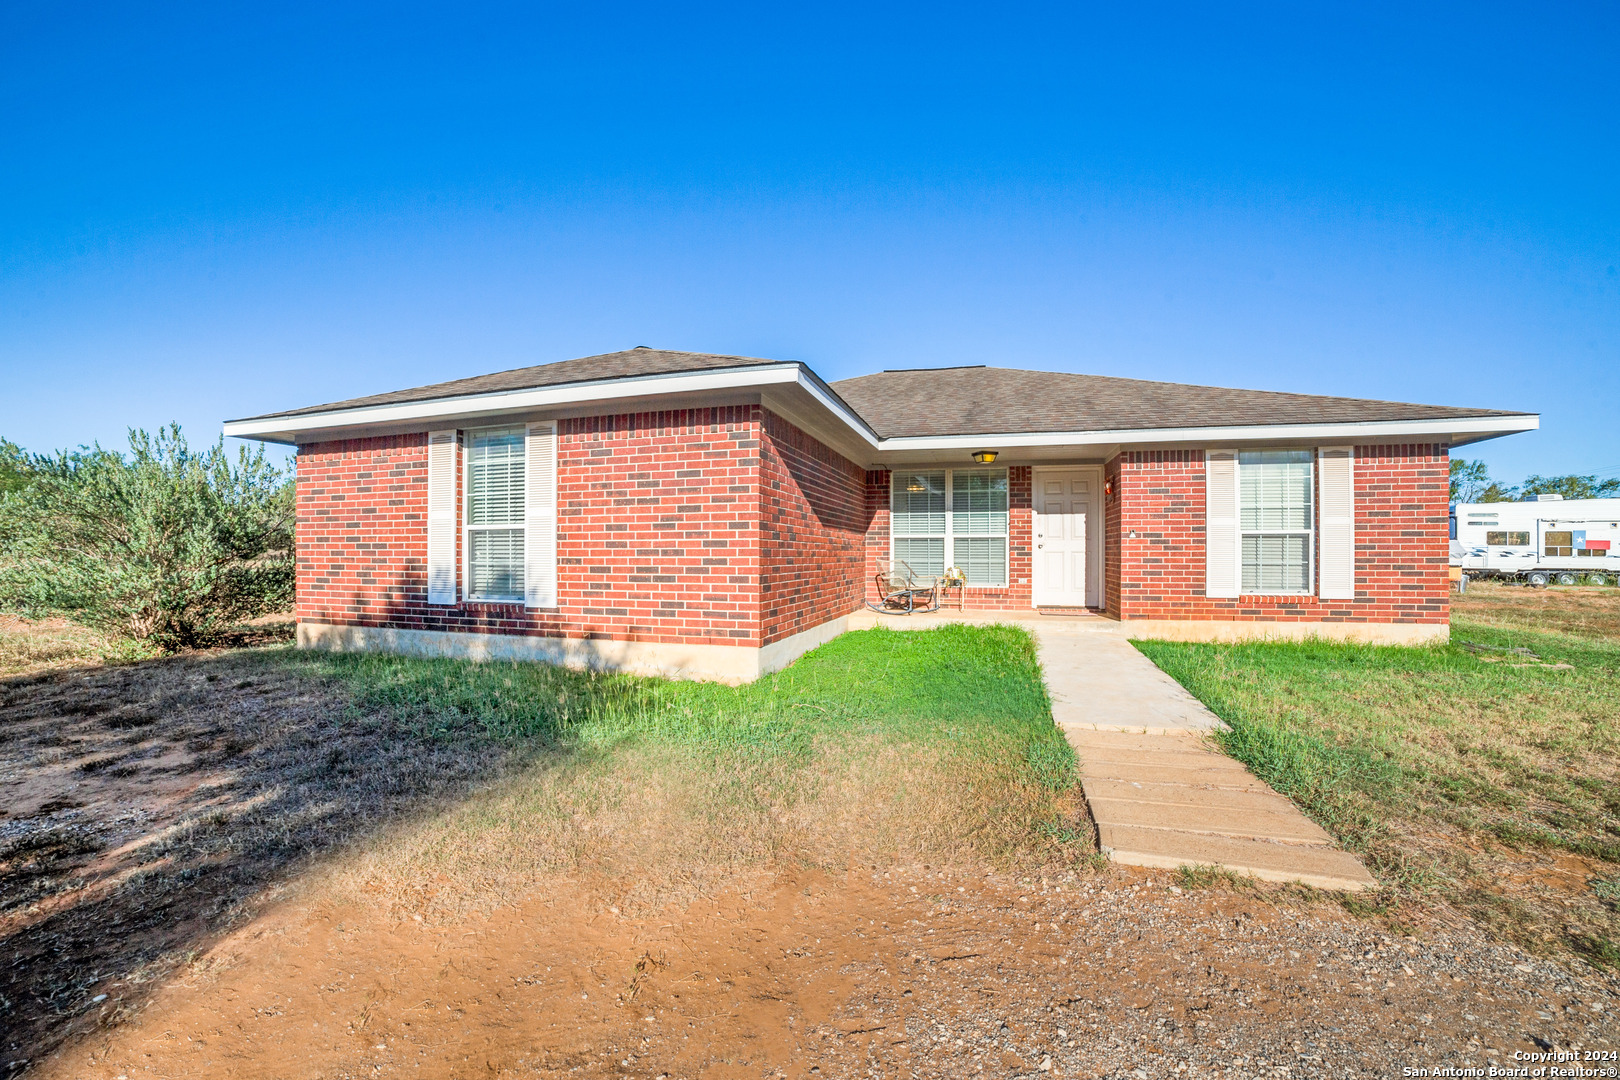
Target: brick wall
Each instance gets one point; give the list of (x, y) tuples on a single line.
[(658, 532), (661, 535), (1020, 534), (362, 528), (813, 525), (1401, 541), (658, 525)]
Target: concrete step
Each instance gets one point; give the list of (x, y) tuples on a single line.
[(1169, 757), (1252, 798), (1242, 822), (1321, 867), (1212, 775), (1177, 740)]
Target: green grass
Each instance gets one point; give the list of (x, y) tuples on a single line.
[(927, 746), (956, 683), (1447, 767)]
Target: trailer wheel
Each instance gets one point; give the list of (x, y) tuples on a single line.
[(1537, 578), (1567, 578), (1598, 579)]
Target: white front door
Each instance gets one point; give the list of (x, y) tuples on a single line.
[(1062, 505)]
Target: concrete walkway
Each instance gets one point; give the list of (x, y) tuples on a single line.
[(1160, 790)]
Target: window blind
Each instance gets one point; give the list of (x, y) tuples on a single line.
[(956, 517), (917, 521), (1275, 519), (496, 473)]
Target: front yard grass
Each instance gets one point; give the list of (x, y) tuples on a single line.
[(153, 805), (1483, 774), (926, 747)]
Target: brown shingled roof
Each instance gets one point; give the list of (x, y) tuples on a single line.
[(989, 400), (962, 400), (630, 363)]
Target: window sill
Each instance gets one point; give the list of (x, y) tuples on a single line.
[(1272, 599)]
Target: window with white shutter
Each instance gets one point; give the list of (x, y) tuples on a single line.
[(496, 475), (441, 524), (540, 516), (1276, 520), (1336, 465), (1222, 569)]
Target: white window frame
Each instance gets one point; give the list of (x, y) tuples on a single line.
[(1309, 532), (468, 528), (950, 536)]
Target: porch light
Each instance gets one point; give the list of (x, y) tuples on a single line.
[(984, 457)]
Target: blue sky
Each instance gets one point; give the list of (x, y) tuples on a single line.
[(216, 211)]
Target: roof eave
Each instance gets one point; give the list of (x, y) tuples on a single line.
[(311, 426), (1453, 429)]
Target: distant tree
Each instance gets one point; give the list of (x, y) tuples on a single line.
[(1570, 487), (1468, 480), (15, 468), (165, 546)]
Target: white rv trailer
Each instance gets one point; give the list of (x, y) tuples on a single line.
[(1551, 539)]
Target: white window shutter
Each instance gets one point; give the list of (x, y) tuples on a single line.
[(1223, 571), (1338, 509), (441, 525), (540, 517)]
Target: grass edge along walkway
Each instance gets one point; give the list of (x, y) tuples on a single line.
[(1441, 764)]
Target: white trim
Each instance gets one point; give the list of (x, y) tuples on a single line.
[(1223, 539), (1336, 509), (1096, 529), (546, 397), (540, 514), (441, 517), (1340, 431)]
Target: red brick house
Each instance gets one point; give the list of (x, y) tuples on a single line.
[(718, 516)]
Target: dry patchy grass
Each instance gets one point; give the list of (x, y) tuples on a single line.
[(154, 806), (1581, 610), (30, 645)]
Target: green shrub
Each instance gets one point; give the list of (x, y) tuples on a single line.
[(164, 546), (15, 469)]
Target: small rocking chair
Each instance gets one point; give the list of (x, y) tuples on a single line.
[(901, 592)]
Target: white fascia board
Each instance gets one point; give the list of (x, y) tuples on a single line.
[(1470, 425), (300, 427)]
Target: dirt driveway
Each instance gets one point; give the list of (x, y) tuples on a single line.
[(915, 973)]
